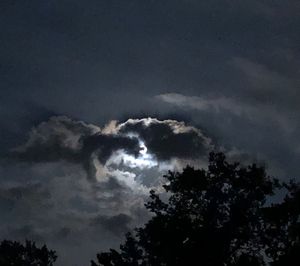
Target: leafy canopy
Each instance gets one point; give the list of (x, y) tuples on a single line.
[(13, 253), (215, 217)]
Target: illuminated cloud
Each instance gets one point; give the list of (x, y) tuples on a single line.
[(136, 143), (169, 139), (73, 182)]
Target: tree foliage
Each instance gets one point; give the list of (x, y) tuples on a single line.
[(13, 253), (215, 217)]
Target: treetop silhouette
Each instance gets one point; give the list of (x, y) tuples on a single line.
[(215, 217), (13, 253)]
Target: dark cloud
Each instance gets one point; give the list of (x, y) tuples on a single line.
[(266, 131), (52, 200), (116, 224), (61, 138), (169, 138), (55, 139), (11, 197), (54, 203), (105, 145)]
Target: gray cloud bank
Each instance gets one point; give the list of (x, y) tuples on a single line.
[(61, 138), (77, 186)]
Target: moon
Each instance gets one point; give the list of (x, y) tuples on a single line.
[(142, 161)]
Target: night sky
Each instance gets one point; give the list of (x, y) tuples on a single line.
[(98, 99)]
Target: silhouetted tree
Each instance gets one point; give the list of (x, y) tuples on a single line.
[(285, 218), (13, 253), (215, 217)]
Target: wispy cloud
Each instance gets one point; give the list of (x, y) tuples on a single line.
[(260, 113)]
